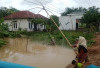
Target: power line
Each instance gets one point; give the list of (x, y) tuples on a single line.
[(53, 10), (52, 13), (35, 8), (59, 29), (54, 6), (39, 7), (39, 11), (31, 2), (46, 9)]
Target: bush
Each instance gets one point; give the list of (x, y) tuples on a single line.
[(24, 32), (14, 34), (90, 42), (2, 42), (88, 36)]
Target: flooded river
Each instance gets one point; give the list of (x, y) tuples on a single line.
[(26, 52)]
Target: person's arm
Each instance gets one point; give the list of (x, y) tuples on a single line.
[(76, 43)]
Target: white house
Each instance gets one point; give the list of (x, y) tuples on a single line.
[(71, 21), (23, 20)]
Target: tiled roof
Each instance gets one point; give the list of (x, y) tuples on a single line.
[(24, 15)]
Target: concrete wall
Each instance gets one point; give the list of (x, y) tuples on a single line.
[(21, 23), (68, 22)]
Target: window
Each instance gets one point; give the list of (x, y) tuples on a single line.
[(30, 25), (41, 25), (15, 24)]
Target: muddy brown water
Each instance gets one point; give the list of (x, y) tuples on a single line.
[(35, 54)]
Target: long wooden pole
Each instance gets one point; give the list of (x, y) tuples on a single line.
[(59, 29)]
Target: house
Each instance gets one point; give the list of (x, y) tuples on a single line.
[(23, 20), (71, 21)]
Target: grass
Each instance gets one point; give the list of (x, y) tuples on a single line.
[(2, 42), (45, 37), (71, 35)]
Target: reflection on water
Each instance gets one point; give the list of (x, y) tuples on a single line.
[(35, 54)]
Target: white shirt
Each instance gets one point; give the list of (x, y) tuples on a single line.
[(82, 41)]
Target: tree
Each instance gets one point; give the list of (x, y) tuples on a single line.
[(51, 25), (70, 10), (4, 31), (91, 17), (7, 11), (37, 21)]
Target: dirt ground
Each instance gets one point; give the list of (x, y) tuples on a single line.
[(93, 53)]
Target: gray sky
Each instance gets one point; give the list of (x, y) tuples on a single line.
[(53, 6)]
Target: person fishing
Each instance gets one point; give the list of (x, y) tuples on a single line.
[(81, 44)]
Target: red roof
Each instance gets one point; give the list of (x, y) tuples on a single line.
[(24, 15)]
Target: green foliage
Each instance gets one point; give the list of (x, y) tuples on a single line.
[(2, 42), (50, 24), (70, 10), (3, 32), (25, 32), (19, 33), (71, 35), (91, 17), (7, 11), (40, 36), (3, 29), (39, 20), (14, 34), (90, 42), (88, 36)]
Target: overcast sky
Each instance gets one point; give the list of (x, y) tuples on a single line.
[(53, 6)]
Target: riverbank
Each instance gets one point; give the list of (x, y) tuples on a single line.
[(93, 53), (46, 37), (71, 36)]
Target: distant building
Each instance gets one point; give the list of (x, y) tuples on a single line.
[(71, 21), (23, 20)]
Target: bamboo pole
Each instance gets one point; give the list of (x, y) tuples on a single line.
[(59, 29)]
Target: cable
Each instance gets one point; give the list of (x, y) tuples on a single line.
[(62, 27), (53, 14), (59, 21), (54, 6), (38, 7), (35, 8), (39, 11), (31, 2), (58, 28), (53, 10)]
